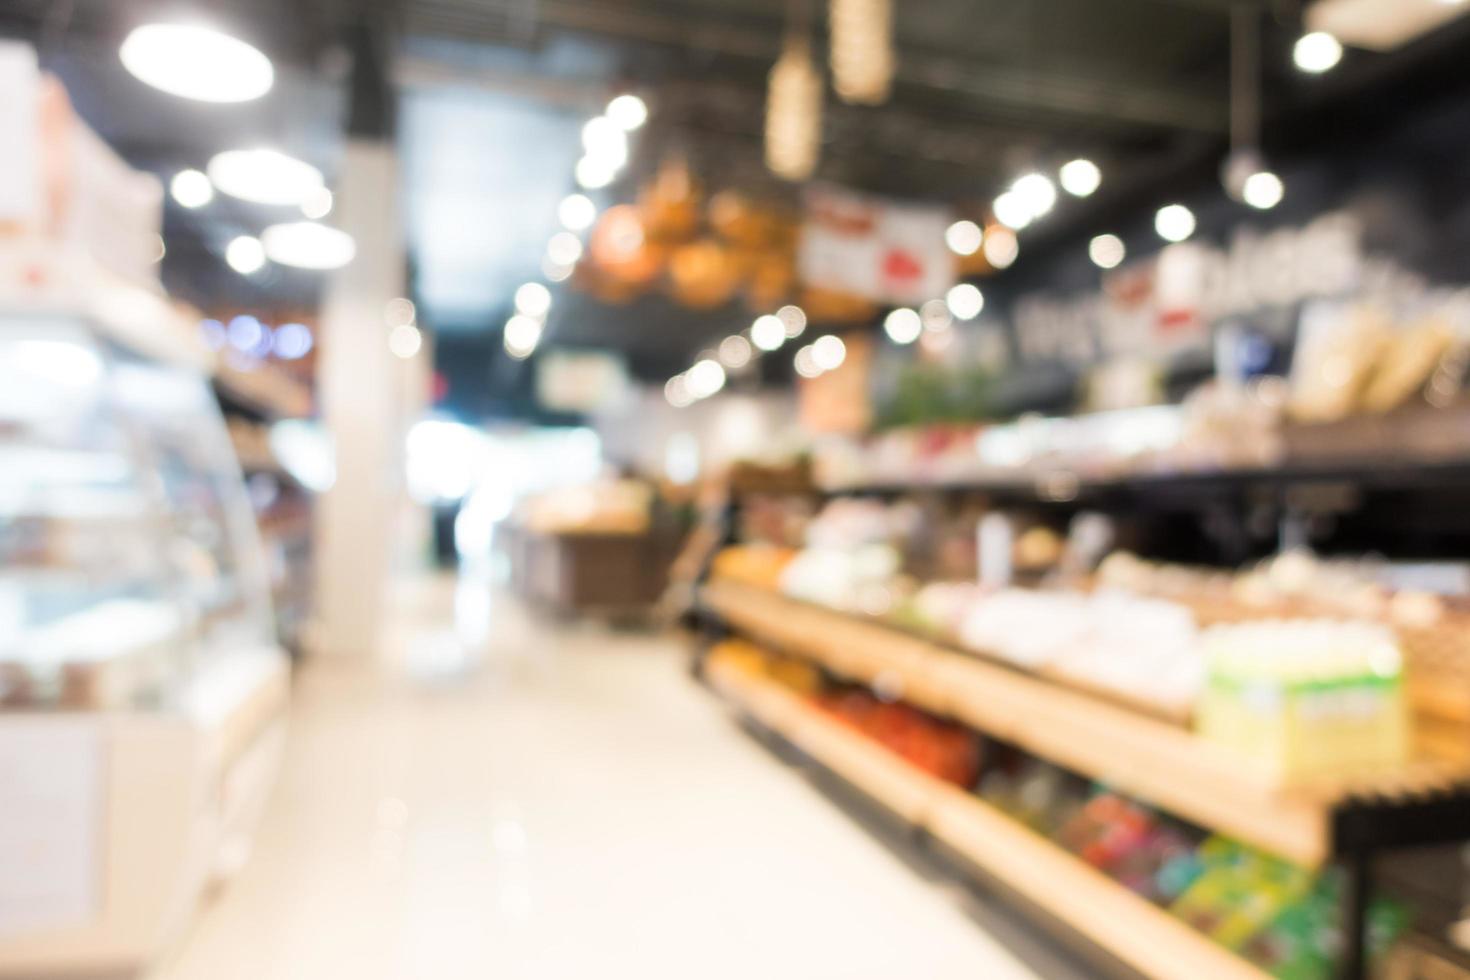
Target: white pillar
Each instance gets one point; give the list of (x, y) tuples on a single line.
[(361, 391)]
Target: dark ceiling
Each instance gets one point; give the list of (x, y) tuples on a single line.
[(984, 89)]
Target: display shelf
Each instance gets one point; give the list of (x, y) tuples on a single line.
[(1129, 929), (1145, 757), (1064, 485)]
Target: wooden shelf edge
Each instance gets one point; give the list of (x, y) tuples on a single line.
[(1129, 928), (1141, 756)]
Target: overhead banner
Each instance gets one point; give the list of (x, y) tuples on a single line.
[(875, 248)]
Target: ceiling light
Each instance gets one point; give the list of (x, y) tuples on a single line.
[(677, 392), (1263, 190), (405, 340), (794, 317), (1174, 222), (555, 271), (806, 362), (245, 255), (1106, 251), (577, 212), (964, 237), (1080, 177), (768, 332), (308, 245), (965, 301), (1012, 211), (594, 174), (1316, 52), (398, 310), (191, 188), (1001, 248), (903, 326), (605, 142), (564, 248), (862, 55), (522, 334), (533, 299), (794, 94), (1037, 192), (318, 204), (936, 315), (292, 341), (264, 176), (628, 111), (828, 352), (195, 62), (705, 378), (735, 352), (245, 332)]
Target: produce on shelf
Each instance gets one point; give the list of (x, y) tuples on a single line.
[(1283, 918), (759, 565), (797, 675), (940, 748)]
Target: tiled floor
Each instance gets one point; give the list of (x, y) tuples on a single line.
[(562, 803)]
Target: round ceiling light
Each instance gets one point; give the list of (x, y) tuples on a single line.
[(1037, 193), (308, 245), (564, 248), (522, 334), (1012, 210), (1316, 52), (964, 237), (245, 255), (628, 111), (768, 332), (533, 299), (1080, 177), (195, 62), (265, 176), (735, 352), (705, 378), (318, 204), (405, 340), (794, 317), (191, 188), (1106, 251), (828, 352), (1001, 248), (1263, 190), (577, 212), (903, 325), (1174, 222), (965, 301)]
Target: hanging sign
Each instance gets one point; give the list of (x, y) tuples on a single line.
[(875, 248)]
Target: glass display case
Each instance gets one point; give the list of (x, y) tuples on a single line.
[(128, 551), (136, 648)]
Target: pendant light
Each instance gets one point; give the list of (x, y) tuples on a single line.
[(794, 108), (1244, 173), (862, 49)]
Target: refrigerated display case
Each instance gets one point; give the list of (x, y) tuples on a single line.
[(142, 694)]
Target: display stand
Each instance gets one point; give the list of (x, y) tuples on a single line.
[(1348, 821)]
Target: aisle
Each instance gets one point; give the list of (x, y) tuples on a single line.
[(564, 805)]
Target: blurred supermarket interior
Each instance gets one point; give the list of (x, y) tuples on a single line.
[(813, 489)]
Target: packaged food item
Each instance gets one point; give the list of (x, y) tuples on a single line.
[(1131, 844), (1238, 891), (1306, 697)]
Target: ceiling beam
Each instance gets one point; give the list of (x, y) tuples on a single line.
[(1091, 96)]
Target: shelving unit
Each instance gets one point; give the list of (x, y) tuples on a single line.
[(1128, 928), (1344, 820)]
